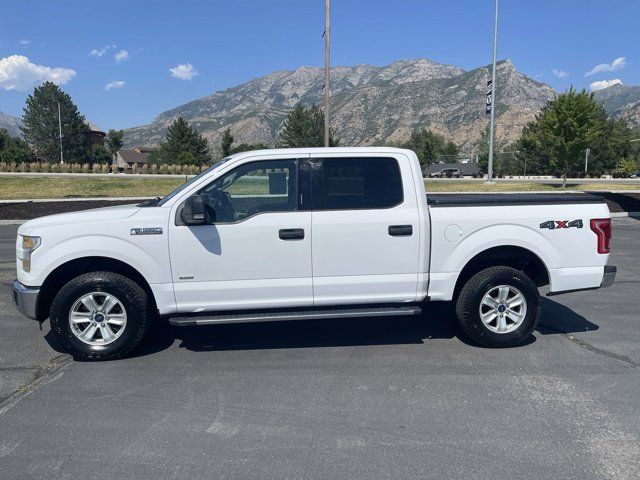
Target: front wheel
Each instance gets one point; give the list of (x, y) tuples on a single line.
[(498, 307), (100, 315)]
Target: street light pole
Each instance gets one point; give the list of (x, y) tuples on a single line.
[(60, 129), (327, 51), (587, 151), (493, 96)]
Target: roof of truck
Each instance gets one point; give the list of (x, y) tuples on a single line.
[(321, 150)]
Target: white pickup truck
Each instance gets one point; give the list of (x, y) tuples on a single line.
[(307, 234)]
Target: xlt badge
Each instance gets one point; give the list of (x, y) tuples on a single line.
[(146, 231)]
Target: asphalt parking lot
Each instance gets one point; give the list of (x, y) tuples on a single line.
[(370, 398)]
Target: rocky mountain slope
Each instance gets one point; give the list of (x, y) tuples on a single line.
[(621, 101), (370, 104), (11, 123)]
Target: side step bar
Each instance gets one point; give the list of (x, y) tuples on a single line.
[(186, 320)]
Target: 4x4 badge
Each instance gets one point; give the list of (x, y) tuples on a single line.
[(555, 224)]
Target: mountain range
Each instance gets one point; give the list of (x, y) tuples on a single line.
[(11, 123), (370, 104)]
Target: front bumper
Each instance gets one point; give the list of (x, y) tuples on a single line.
[(26, 299), (609, 276)]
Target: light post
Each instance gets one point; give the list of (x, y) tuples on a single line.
[(60, 129), (493, 96), (587, 151), (327, 56)]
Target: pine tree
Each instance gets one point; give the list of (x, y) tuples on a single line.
[(40, 125), (226, 142), (14, 150), (304, 127), (183, 138), (114, 143)]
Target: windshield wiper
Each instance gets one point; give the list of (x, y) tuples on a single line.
[(150, 203)]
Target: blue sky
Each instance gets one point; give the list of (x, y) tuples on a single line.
[(230, 42)]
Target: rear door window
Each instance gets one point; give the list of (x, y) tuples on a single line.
[(357, 183)]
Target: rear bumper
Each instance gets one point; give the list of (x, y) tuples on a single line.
[(609, 276), (25, 299)]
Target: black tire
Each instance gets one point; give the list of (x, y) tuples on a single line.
[(134, 299), (470, 298)]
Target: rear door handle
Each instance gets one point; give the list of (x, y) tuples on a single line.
[(401, 230), (291, 234)]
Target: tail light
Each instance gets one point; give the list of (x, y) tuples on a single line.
[(602, 228)]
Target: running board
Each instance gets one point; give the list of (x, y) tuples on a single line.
[(187, 320)]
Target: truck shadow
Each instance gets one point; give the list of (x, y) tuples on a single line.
[(436, 322)]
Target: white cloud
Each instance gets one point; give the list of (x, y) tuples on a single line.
[(25, 43), (115, 84), (121, 56), (618, 64), (98, 52), (599, 85), (184, 71), (18, 73), (559, 73)]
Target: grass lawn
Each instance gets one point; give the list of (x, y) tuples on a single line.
[(18, 187), (57, 187)]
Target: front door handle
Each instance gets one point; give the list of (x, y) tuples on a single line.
[(401, 230), (291, 234)]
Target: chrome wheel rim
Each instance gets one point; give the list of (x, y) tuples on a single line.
[(97, 318), (503, 309)]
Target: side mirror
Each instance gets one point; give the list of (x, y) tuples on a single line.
[(193, 211)]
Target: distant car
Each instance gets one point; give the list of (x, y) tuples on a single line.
[(447, 173)]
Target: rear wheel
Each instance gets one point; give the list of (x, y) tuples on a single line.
[(498, 307), (100, 315)]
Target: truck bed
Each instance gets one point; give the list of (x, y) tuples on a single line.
[(504, 199)]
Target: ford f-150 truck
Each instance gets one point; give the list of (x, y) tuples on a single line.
[(307, 234)]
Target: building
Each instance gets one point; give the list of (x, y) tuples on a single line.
[(128, 158), (95, 136)]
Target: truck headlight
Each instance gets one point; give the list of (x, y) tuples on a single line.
[(29, 244)]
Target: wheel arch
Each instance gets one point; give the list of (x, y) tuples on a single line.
[(513, 256), (62, 274)]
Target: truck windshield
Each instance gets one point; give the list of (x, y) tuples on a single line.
[(158, 202)]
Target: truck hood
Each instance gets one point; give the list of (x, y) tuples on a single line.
[(84, 216)]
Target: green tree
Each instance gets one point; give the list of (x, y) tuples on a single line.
[(531, 153), (226, 143), (570, 123), (450, 149), (115, 143), (611, 147), (183, 138), (40, 125), (429, 146), (99, 154), (14, 149), (555, 142), (304, 127)]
